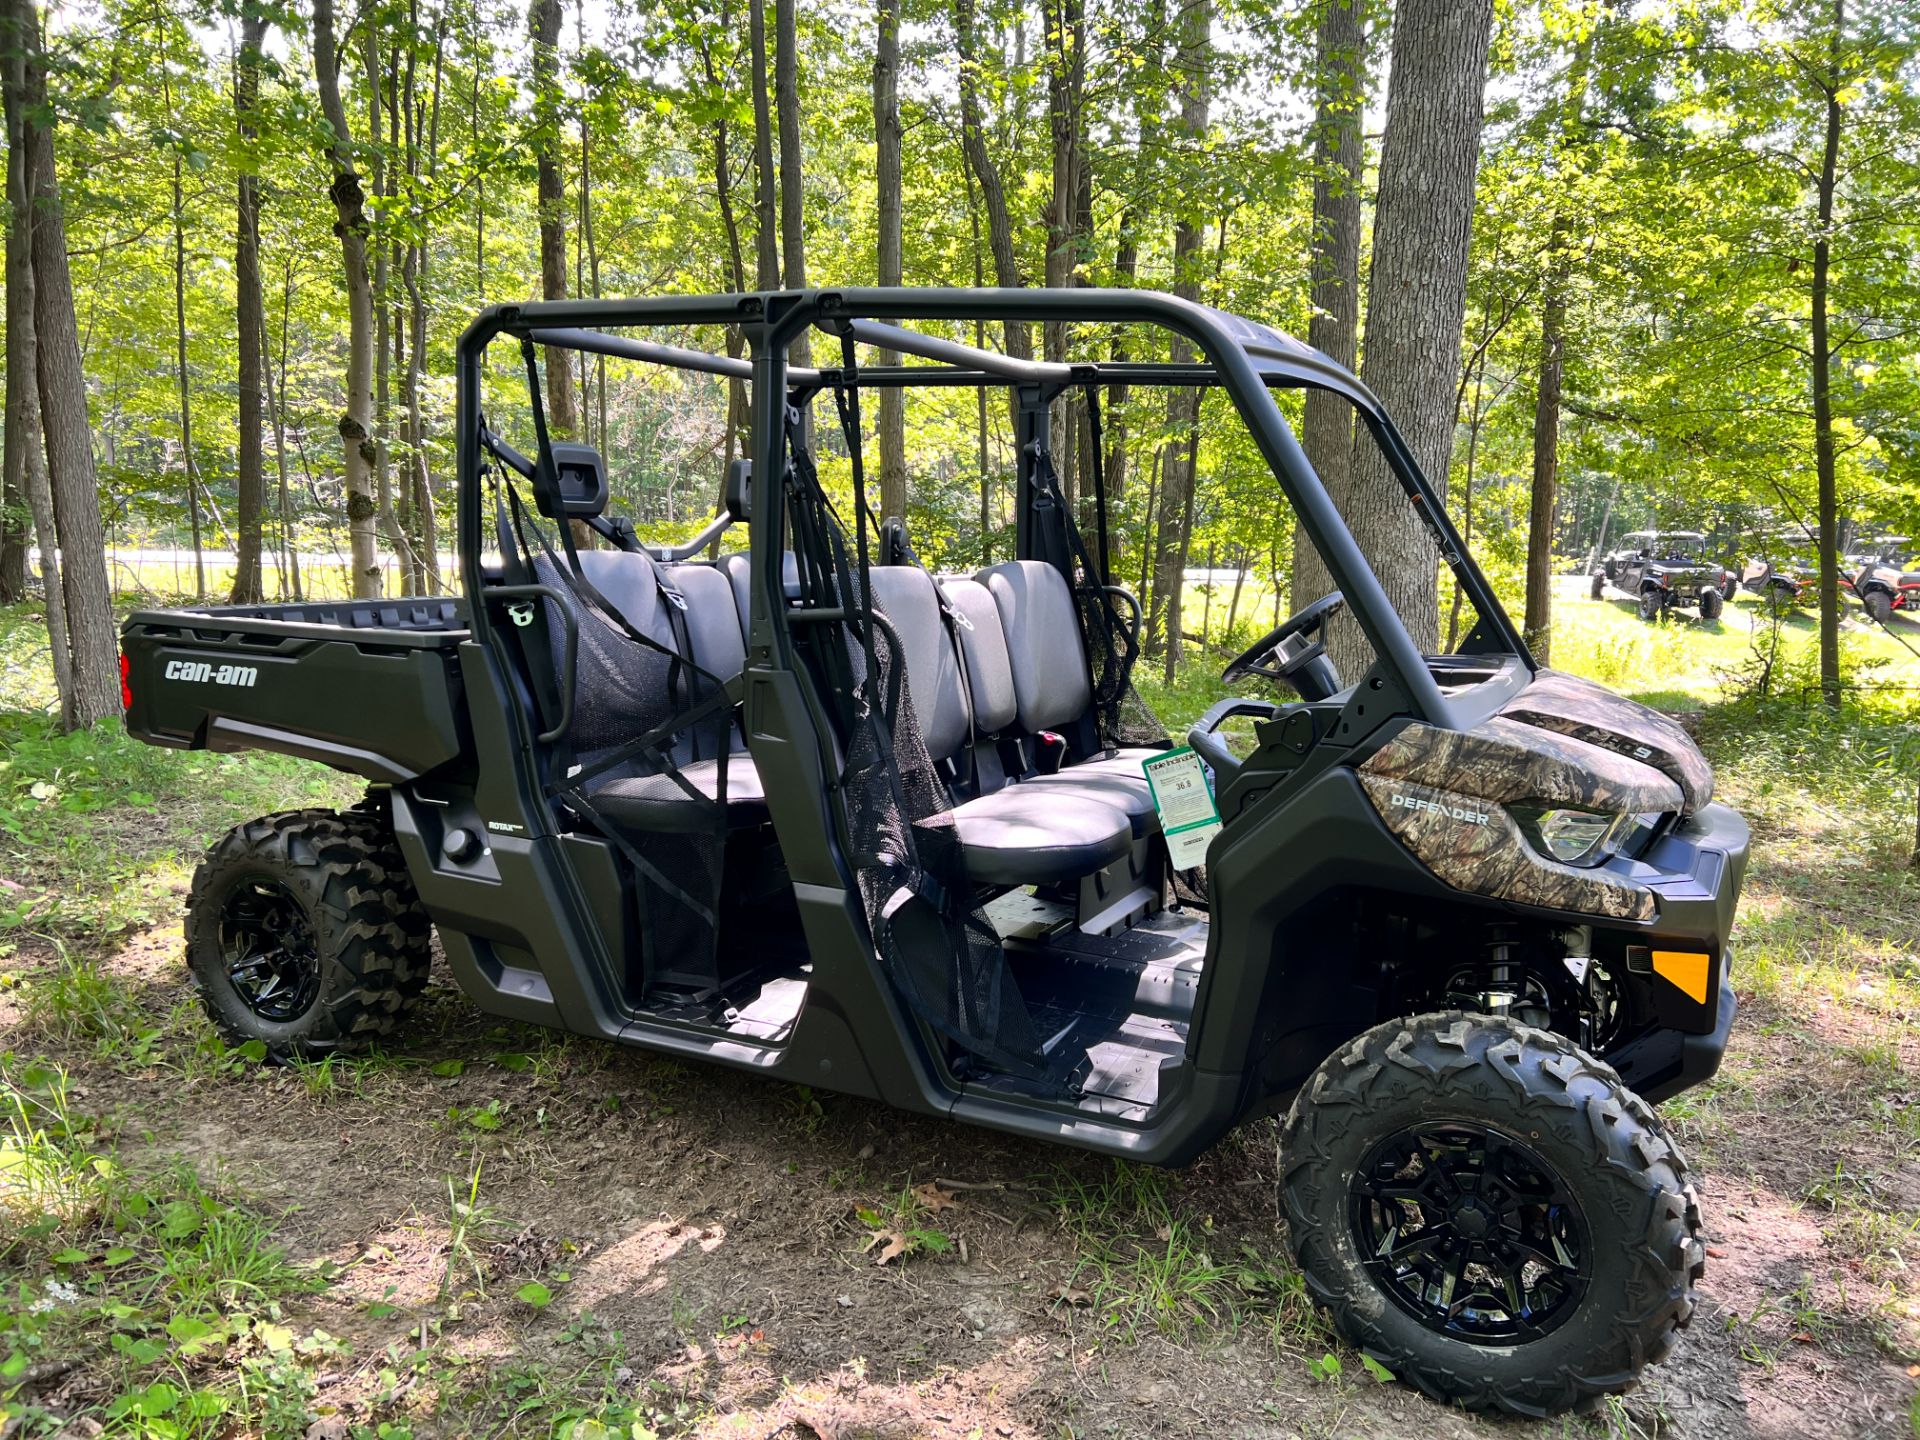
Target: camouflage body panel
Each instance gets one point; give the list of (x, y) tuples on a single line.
[(1592, 713), (1443, 793), (1504, 760), (1477, 847)]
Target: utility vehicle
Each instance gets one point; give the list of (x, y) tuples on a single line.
[(1786, 572), (813, 811), (1665, 569), (1883, 574)]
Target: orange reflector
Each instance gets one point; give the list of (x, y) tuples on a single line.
[(1686, 970)]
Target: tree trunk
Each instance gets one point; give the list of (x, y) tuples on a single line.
[(62, 382), (1339, 158), (1066, 43), (1537, 627), (349, 203), (793, 169), (1192, 72), (993, 193), (187, 466), (543, 22), (248, 586), (1541, 526), (765, 206), (25, 466), (1416, 298), (886, 130), (1823, 376), (16, 526)]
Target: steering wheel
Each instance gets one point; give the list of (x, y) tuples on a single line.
[(1286, 651)]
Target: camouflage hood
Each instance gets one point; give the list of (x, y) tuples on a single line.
[(1571, 706)]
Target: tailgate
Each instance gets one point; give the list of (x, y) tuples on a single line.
[(383, 703)]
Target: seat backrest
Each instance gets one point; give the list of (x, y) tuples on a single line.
[(983, 645), (907, 595), (621, 689), (713, 623), (1051, 684), (737, 566)]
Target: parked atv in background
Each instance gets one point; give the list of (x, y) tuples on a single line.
[(1665, 569), (1884, 576), (1785, 576)]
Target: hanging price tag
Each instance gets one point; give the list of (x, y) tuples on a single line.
[(1188, 817)]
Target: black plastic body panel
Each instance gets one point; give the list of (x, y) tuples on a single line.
[(382, 701)]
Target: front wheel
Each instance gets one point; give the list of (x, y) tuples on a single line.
[(1879, 605), (1489, 1212), (304, 933), (1650, 605)]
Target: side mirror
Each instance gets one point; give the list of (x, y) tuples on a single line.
[(584, 491), (737, 498)]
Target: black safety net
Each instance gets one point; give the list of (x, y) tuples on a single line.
[(1109, 615), (941, 953), (643, 713)]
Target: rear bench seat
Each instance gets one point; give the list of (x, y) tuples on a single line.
[(1015, 619), (1015, 835)]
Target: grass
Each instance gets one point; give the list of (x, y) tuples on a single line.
[(1142, 1263), (98, 830)]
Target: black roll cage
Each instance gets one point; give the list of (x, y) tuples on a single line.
[(1245, 358)]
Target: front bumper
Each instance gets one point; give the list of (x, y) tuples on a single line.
[(1695, 874), (1664, 1062)]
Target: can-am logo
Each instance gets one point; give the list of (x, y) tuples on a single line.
[(1452, 812), (203, 673)]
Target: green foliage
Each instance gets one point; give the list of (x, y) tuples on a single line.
[(115, 819)]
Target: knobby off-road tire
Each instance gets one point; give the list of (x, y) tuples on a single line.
[(1880, 606), (343, 926), (1650, 605), (1636, 1216), (1710, 602)]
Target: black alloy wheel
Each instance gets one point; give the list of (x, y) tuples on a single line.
[(1471, 1233), (269, 950)]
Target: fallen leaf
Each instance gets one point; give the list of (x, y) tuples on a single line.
[(1714, 1252), (934, 1198), (891, 1245), (1803, 1338), (330, 1427), (1064, 1295)]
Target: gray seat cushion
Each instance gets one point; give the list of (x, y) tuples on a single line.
[(655, 803), (912, 604), (1022, 836), (1051, 684), (983, 645), (1117, 780)]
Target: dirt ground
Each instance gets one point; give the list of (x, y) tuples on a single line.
[(713, 1222)]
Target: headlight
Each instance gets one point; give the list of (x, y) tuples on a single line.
[(1584, 837)]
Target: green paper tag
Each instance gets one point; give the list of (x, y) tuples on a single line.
[(1188, 817)]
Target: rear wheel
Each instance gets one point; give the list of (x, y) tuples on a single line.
[(1710, 602), (304, 932), (1879, 605), (1599, 590), (1489, 1212), (1650, 605)]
